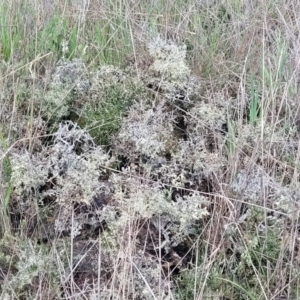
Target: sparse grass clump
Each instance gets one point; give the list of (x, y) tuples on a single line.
[(111, 94)]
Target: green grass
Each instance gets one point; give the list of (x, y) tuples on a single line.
[(244, 57), (255, 99)]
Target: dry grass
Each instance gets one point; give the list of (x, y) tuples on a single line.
[(187, 188)]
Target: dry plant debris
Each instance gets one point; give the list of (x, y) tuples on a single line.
[(129, 219)]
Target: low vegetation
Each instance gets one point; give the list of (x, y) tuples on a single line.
[(149, 150)]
